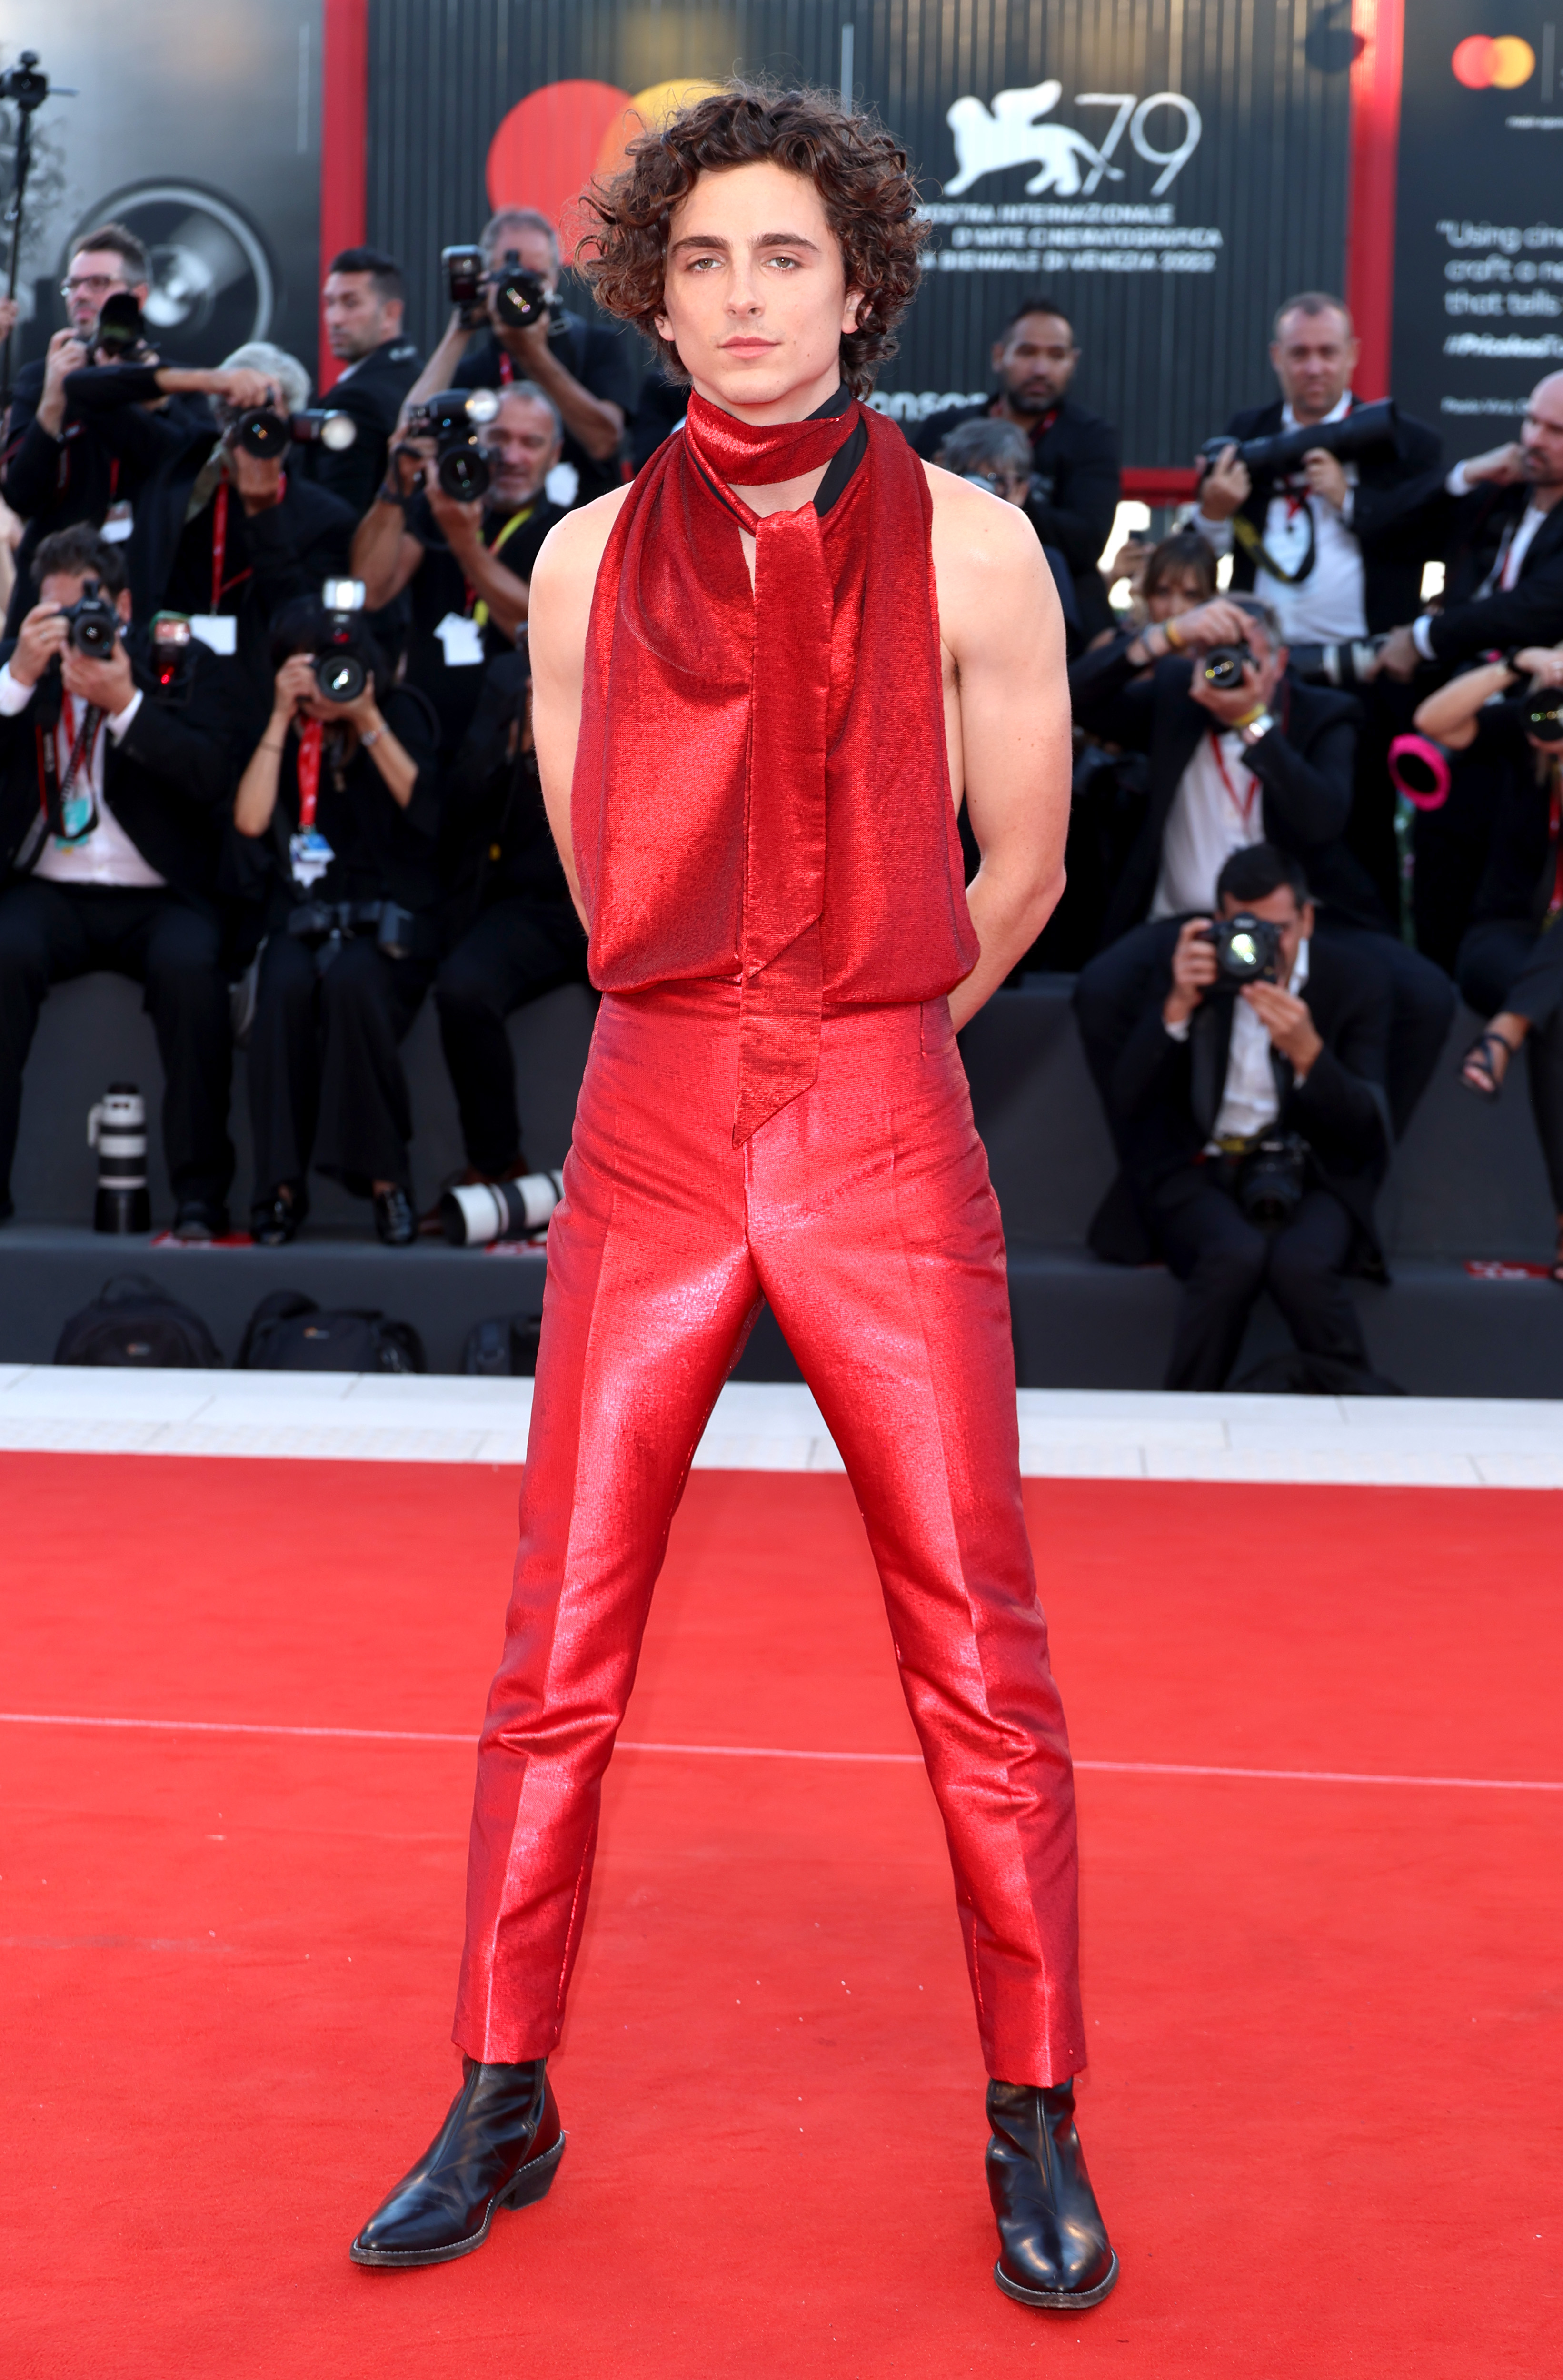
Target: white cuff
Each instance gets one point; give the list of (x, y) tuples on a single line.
[(119, 723), (1457, 484), (14, 695), (1217, 534), (1422, 637), (1176, 1032)]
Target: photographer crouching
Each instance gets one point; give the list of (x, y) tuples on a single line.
[(1248, 1106), (336, 827), (114, 775)]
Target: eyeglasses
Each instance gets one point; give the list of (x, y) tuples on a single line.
[(91, 284)]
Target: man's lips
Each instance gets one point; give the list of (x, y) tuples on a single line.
[(749, 347)]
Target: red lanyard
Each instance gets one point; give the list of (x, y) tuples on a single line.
[(505, 374), (309, 772), (220, 538), (1243, 804)]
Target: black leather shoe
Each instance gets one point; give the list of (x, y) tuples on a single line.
[(500, 2145), (394, 1218), (196, 1220), (274, 1220), (1053, 2242)]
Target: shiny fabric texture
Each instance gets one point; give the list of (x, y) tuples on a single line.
[(863, 1211), (762, 794)]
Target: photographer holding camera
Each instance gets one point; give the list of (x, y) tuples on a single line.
[(336, 823), (1246, 1100), (361, 304), (1241, 753), (114, 777), (588, 371), (467, 562)]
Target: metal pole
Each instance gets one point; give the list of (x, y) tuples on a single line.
[(847, 68)]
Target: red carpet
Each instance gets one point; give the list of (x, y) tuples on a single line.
[(1322, 2114)]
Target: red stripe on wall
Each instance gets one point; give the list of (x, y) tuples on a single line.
[(1375, 144), (344, 141)]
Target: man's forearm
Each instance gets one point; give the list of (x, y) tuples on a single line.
[(1007, 919), (440, 370), (376, 552), (596, 424), (505, 595)]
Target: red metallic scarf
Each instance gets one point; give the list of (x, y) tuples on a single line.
[(760, 788)]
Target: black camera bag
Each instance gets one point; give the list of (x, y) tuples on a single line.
[(131, 1321), (504, 1347), (288, 1332)]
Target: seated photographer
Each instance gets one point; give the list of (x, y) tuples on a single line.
[(337, 824), (511, 906), (362, 306), (588, 369), (1246, 1100), (468, 565), (1239, 754), (998, 456), (1510, 962), (114, 780), (1074, 452)]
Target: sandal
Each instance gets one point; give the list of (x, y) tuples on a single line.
[(1479, 1057)]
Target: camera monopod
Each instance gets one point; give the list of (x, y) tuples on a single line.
[(26, 90)]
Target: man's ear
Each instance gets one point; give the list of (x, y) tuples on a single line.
[(852, 309), (122, 604)]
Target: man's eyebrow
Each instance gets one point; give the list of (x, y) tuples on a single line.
[(786, 239), (699, 240)]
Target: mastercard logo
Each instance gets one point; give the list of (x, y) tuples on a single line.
[(559, 138), (1484, 63)]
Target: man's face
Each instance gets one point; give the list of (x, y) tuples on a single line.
[(1280, 908), (1541, 439), (63, 589), (522, 446), (1315, 357), (93, 274), (756, 298), (534, 251), (1035, 362), (358, 320)]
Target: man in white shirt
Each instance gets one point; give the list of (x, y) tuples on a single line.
[(1283, 1072), (111, 803)]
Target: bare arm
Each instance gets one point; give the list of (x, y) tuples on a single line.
[(1452, 716), (383, 555), (1008, 725), (562, 581)]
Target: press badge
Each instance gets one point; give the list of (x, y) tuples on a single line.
[(462, 640), (76, 819), (310, 855)]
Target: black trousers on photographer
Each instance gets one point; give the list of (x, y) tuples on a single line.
[(514, 951), (1223, 1261), (327, 1080)]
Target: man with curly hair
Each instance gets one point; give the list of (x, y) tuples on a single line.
[(764, 675)]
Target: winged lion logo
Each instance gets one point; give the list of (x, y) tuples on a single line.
[(990, 142)]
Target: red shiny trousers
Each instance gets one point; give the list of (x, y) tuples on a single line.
[(863, 1211)]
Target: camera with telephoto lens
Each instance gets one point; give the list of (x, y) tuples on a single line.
[(1247, 948), (1357, 432), (1223, 667), (93, 623), (264, 433), (454, 420), (1345, 664), (520, 298), (339, 673), (466, 279), (1272, 1178)]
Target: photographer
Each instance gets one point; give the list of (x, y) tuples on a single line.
[(1239, 754), (587, 370), (114, 777), (520, 935), (334, 851), (1245, 1098), (361, 304), (1074, 452), (995, 455), (1510, 962), (468, 565)]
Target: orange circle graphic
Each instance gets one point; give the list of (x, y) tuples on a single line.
[(1484, 62), (1473, 61), (1514, 62)]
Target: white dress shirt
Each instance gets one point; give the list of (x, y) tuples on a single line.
[(1250, 1103), (1219, 808), (107, 856), (1328, 607)]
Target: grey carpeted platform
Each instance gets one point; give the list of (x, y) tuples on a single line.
[(1467, 1183)]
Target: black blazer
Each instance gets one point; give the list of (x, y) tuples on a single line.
[(1389, 516), (168, 781), (1473, 529), (1077, 461), (1304, 765), (371, 394), (1164, 1095)]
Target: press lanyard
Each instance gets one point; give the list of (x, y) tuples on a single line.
[(220, 538), (309, 772), (478, 610), (1243, 804)]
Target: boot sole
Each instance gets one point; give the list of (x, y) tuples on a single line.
[(533, 2181), (1064, 2300)]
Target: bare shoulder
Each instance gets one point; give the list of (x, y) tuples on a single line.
[(988, 564), (969, 524), (571, 554)]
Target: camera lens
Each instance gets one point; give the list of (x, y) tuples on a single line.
[(264, 433), (1543, 720), (1224, 667), (341, 678), (464, 474)]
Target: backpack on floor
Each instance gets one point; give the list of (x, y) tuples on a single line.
[(288, 1332), (132, 1321), (504, 1347)]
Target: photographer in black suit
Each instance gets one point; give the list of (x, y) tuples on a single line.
[(362, 306), (1263, 759), (1248, 1111), (1074, 452), (114, 778)]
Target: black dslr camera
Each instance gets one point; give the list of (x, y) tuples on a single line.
[(264, 433), (1543, 714), (1247, 948), (519, 297), (1223, 666), (1272, 1178), (93, 624), (454, 420), (339, 673), (464, 279), (119, 334)]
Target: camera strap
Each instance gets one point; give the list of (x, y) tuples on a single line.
[(1253, 545), (476, 607), (59, 798), (310, 732), (221, 586), (1242, 803)]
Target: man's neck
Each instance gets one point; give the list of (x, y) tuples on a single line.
[(1305, 413), (793, 404), (1007, 410), (1544, 497)]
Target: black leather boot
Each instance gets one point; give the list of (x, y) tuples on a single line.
[(500, 2145), (1054, 2243)]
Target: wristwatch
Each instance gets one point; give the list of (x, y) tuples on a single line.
[(1260, 725)]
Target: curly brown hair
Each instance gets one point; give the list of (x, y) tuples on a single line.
[(868, 195)]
